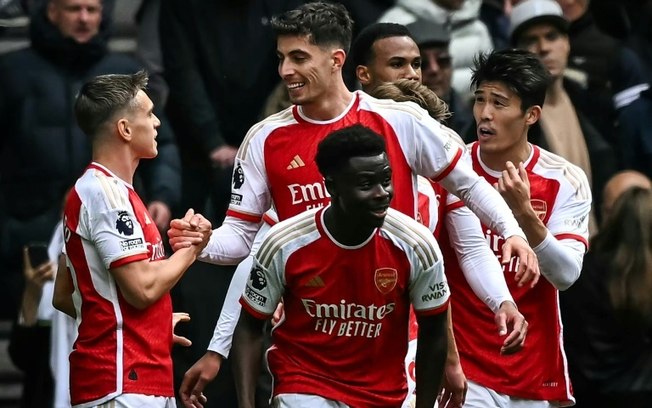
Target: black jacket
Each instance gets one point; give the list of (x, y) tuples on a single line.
[(607, 359), (42, 151), (221, 65)]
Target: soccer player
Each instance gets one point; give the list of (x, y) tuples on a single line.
[(275, 166), (441, 213), (347, 275), (119, 282), (386, 52), (551, 199)]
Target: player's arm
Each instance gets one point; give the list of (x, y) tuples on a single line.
[(487, 204), (63, 289), (429, 294), (247, 355), (228, 245), (455, 384), (143, 282), (485, 276), (560, 260), (432, 343)]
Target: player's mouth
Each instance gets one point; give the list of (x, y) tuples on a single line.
[(485, 132), (380, 211), (295, 85)]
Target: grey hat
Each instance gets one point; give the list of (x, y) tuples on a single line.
[(429, 32), (530, 12)]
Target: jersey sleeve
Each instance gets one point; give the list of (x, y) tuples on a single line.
[(428, 287), (570, 216), (437, 148), (113, 227), (430, 148), (250, 193), (263, 290)]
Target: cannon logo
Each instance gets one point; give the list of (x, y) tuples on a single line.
[(540, 208)]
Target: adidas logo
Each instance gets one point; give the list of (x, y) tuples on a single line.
[(315, 282), (295, 163)]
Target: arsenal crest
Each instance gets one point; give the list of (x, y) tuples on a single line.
[(385, 279), (540, 208)]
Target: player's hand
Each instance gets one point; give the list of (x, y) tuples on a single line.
[(160, 213), (453, 394), (201, 373), (508, 317), (189, 230), (180, 340), (514, 186), (528, 265), (278, 314), (223, 156)]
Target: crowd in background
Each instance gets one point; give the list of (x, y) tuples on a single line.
[(213, 70)]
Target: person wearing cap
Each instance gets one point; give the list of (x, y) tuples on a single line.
[(540, 27), (433, 40), (617, 84)]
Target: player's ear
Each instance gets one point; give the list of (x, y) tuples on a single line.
[(330, 186), (532, 115), (363, 75), (338, 56), (124, 130)]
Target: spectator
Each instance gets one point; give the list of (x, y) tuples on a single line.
[(613, 76), (42, 149), (437, 72), (469, 35), (540, 27), (608, 312)]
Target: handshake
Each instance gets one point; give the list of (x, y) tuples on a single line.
[(193, 230)]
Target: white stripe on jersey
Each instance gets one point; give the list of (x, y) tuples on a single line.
[(571, 172), (283, 233), (416, 236), (113, 192), (405, 106), (282, 118)]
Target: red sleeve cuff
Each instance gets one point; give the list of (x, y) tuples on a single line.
[(450, 167), (434, 311), (244, 216), (575, 237), (128, 259), (255, 313)]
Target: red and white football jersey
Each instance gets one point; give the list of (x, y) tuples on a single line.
[(275, 163), (119, 349), (345, 307), (560, 194)]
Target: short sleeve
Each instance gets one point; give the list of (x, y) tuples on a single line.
[(263, 291)]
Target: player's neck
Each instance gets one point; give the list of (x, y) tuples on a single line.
[(344, 230), (496, 161), (330, 105), (120, 165)]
